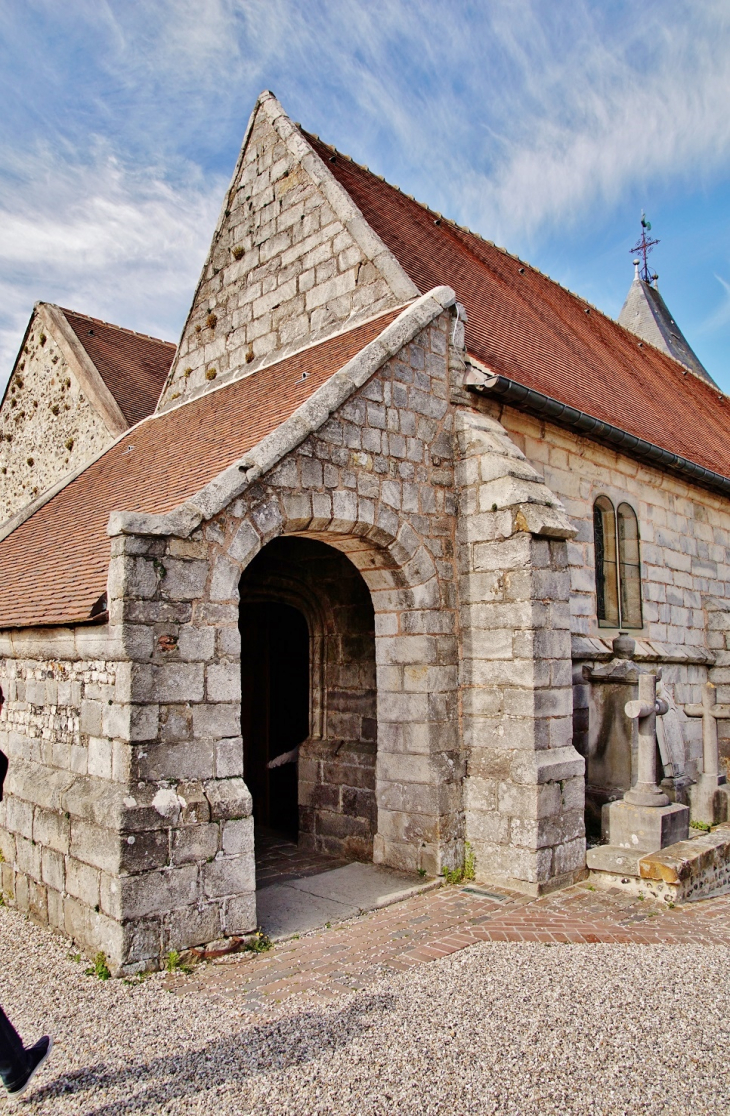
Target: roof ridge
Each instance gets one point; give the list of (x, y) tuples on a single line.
[(113, 325), (518, 259)]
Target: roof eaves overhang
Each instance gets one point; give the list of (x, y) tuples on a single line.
[(484, 382)]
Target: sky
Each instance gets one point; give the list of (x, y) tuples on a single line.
[(546, 127)]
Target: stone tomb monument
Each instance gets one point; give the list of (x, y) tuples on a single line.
[(612, 751), (645, 820)]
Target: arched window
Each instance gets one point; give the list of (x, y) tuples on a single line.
[(629, 566), (618, 567), (604, 530)]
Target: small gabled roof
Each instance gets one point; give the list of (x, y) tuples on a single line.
[(133, 365), (153, 468), (526, 327), (647, 315)]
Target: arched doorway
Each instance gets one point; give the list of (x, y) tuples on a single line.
[(275, 708), (308, 679)]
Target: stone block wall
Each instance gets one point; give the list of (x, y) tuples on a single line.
[(291, 260), (99, 840), (685, 567), (375, 481), (717, 610), (685, 530), (47, 425), (524, 791)]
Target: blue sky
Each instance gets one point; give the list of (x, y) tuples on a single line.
[(546, 127)]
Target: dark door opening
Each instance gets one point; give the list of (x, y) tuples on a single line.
[(274, 708)]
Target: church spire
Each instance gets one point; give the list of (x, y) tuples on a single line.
[(646, 313)]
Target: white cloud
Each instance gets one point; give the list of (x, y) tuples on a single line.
[(518, 118), (116, 242), (720, 317)]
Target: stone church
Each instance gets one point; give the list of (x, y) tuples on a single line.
[(396, 497)]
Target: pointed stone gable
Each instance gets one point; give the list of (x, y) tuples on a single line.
[(292, 260)]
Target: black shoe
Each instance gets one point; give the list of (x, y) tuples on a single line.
[(35, 1056)]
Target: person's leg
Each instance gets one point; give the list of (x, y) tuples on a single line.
[(18, 1065), (12, 1053)]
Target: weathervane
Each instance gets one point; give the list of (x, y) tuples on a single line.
[(645, 246)]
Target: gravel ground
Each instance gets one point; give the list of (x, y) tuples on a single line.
[(497, 1028)]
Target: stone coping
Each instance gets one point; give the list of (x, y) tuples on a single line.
[(697, 868), (647, 651)]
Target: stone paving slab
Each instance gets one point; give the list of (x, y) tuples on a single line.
[(294, 907), (330, 963), (283, 910)]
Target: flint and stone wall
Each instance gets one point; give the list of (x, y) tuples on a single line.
[(48, 427)]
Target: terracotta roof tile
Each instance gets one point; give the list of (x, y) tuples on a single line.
[(132, 365), (529, 328), (154, 467)]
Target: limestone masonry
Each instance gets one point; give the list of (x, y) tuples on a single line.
[(334, 546)]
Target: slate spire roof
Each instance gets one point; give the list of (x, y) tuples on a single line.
[(647, 315)]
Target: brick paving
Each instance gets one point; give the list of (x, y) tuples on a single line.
[(333, 962)]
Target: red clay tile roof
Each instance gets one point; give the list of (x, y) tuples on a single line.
[(530, 329), (152, 468), (132, 365)]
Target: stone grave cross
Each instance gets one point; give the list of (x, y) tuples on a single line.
[(711, 713), (709, 798), (645, 710), (645, 820)]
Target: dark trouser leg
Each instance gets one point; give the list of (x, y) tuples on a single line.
[(12, 1052)]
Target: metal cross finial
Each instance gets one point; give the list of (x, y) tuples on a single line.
[(644, 246), (711, 713)]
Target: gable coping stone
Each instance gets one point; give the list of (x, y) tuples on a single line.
[(83, 367), (234, 480)]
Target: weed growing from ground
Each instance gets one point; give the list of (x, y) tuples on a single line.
[(701, 825), (467, 872), (99, 967), (173, 964), (260, 943)]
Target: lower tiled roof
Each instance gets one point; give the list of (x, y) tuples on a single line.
[(132, 365), (53, 567), (530, 329)]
